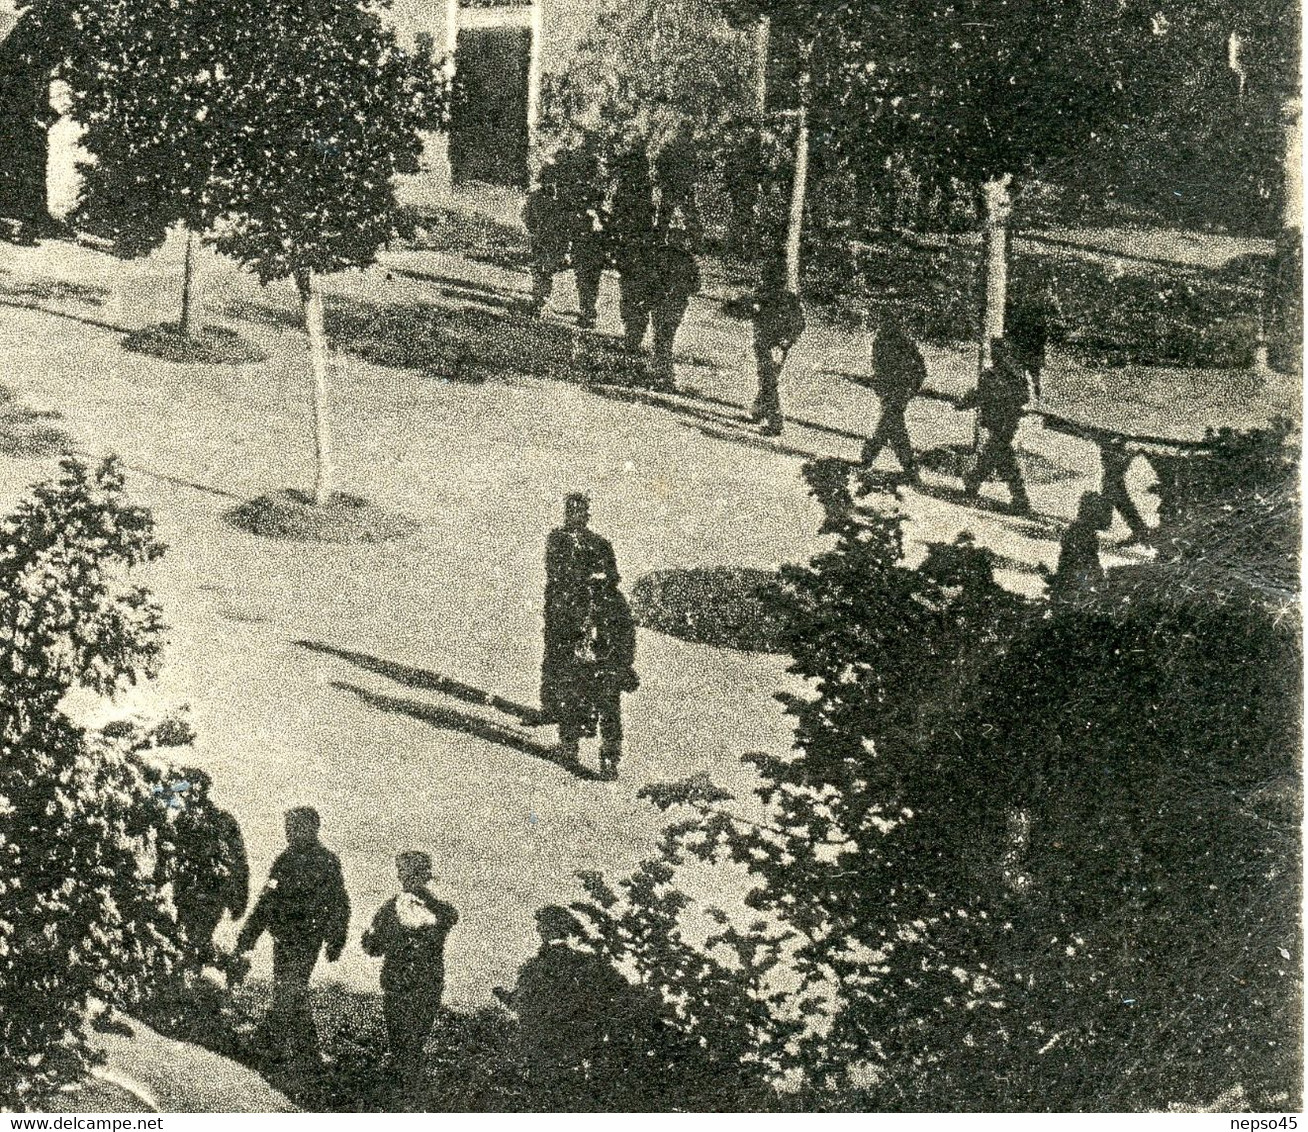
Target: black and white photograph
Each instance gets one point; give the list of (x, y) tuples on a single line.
[(651, 556)]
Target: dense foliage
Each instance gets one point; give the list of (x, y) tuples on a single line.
[(274, 129), (84, 838), (1020, 858)]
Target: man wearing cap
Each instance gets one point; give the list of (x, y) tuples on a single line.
[(304, 907), (573, 1010), (408, 933), (999, 398), (574, 554)]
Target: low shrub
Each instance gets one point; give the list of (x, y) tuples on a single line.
[(731, 607)]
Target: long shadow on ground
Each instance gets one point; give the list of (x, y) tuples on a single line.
[(420, 678), (449, 719)]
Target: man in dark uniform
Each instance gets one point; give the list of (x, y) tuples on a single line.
[(606, 656), (898, 374), (212, 874), (631, 229), (679, 232), (1031, 322), (778, 319), (999, 398), (581, 199), (409, 933), (547, 236), (573, 1011), (1079, 569), (574, 554), (1115, 459), (304, 907)]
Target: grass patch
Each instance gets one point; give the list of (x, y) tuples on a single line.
[(215, 345), (733, 607), (291, 514)]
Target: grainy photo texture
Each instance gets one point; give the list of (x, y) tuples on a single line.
[(650, 555)]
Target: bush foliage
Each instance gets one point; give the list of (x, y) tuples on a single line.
[(85, 848)]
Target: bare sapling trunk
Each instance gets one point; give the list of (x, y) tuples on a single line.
[(762, 32), (190, 324), (799, 187), (311, 299), (997, 207)]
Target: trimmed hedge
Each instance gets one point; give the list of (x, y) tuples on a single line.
[(735, 607)]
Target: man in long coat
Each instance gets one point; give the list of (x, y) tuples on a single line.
[(574, 554), (632, 232)]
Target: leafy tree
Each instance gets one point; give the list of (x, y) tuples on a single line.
[(321, 109), (84, 841), (142, 77), (274, 129)]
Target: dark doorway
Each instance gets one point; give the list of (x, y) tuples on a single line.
[(488, 121)]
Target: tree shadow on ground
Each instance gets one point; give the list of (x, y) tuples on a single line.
[(448, 719), (99, 324), (464, 343), (420, 678), (25, 432), (46, 289)]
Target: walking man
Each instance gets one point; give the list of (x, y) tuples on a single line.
[(408, 933), (631, 228), (778, 323), (898, 374), (212, 874), (547, 236), (581, 201), (304, 907), (574, 1011), (999, 398), (1115, 459), (1031, 322), (606, 658), (678, 234)]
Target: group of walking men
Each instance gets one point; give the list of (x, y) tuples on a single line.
[(590, 213)]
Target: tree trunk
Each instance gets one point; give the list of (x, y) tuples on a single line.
[(191, 324), (1283, 306), (311, 299), (997, 206), (762, 32), (798, 191)]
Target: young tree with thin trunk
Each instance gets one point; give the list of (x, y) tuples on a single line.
[(321, 109), (141, 77)]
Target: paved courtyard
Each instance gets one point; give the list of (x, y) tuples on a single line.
[(310, 671)]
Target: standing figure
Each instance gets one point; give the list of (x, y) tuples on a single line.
[(304, 907), (606, 657), (778, 323), (1114, 459), (898, 374), (1079, 569), (409, 933), (1030, 323), (212, 873), (547, 236), (574, 555), (574, 1010), (631, 228), (581, 192), (999, 398), (679, 232)]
